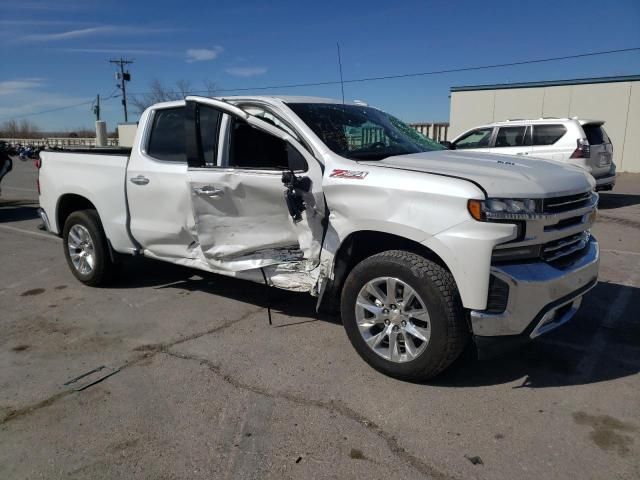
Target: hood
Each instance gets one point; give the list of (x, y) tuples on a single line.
[(504, 176)]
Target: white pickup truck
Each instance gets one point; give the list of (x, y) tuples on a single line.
[(420, 248)]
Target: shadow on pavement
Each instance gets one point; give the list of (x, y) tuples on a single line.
[(561, 358), (17, 210), (141, 272), (617, 200), (569, 355)]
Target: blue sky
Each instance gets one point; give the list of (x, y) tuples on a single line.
[(55, 53)]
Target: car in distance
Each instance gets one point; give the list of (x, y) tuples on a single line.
[(571, 140)]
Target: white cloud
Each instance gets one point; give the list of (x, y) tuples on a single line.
[(124, 51), (94, 31), (11, 87), (82, 32), (203, 54), (246, 71)]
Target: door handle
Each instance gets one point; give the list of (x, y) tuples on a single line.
[(139, 180), (208, 191)]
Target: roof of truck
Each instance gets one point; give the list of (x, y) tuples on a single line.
[(289, 99)]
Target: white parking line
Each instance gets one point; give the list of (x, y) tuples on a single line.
[(29, 232)]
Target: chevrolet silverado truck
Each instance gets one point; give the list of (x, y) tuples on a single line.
[(419, 248)]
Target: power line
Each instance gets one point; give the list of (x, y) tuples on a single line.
[(436, 72), (50, 110), (57, 109), (366, 79)]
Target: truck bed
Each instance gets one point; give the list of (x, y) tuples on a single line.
[(93, 150), (96, 174)]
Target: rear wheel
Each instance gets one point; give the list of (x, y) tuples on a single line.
[(403, 315), (86, 248)]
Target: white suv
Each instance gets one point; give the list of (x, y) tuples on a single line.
[(571, 140)]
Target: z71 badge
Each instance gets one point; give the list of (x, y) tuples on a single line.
[(339, 173)]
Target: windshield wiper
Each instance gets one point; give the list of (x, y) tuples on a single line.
[(368, 155), (376, 155)]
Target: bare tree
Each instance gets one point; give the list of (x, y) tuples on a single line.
[(28, 129), (22, 129), (158, 92), (210, 88), (10, 129)]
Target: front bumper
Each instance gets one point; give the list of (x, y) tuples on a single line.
[(541, 297)]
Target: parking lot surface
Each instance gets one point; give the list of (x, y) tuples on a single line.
[(207, 389)]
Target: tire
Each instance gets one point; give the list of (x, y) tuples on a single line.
[(85, 225), (434, 290)]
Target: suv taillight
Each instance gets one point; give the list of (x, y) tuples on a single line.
[(583, 150)]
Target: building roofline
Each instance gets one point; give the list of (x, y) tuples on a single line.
[(551, 83)]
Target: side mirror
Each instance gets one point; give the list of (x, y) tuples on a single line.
[(300, 183), (447, 144)]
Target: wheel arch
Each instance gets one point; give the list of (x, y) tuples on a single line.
[(69, 203), (362, 244)]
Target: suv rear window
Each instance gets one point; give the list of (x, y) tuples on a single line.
[(547, 134), (167, 140), (595, 134)]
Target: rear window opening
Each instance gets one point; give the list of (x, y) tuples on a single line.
[(595, 134)]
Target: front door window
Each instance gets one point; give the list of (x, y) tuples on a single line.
[(478, 138)]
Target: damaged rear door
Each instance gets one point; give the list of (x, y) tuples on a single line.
[(239, 171)]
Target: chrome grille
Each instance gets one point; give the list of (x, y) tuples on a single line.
[(564, 204), (564, 247), (558, 235)]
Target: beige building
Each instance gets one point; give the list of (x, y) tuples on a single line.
[(616, 100)]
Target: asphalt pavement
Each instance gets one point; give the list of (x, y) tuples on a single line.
[(202, 387)]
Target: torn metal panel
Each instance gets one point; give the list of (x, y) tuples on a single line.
[(288, 276), (293, 276), (241, 215), (249, 216)]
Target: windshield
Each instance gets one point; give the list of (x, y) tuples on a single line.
[(362, 133)]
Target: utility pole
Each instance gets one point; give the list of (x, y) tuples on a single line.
[(123, 77), (96, 108)]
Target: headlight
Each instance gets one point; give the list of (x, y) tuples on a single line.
[(504, 209)]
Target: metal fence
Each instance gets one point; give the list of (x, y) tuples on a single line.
[(437, 131), (358, 137), (58, 142)]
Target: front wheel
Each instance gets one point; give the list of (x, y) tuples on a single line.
[(86, 248), (403, 315)]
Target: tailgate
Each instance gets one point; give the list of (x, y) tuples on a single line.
[(601, 149)]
